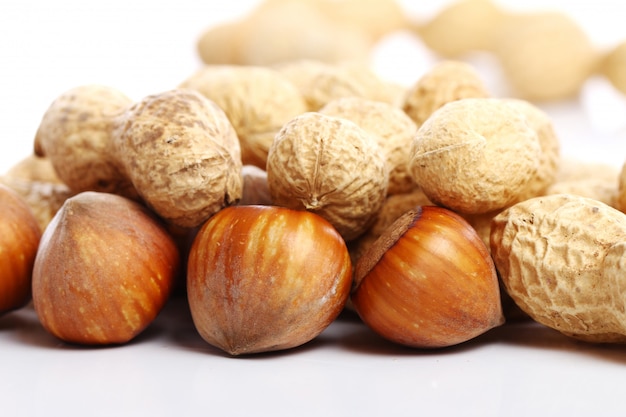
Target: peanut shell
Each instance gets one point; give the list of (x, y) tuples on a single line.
[(561, 259), (445, 82), (392, 129), (613, 67), (475, 155), (331, 167), (545, 55), (257, 101), (462, 27)]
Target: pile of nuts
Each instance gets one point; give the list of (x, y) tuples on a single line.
[(276, 188)]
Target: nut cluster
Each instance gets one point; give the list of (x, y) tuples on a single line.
[(275, 188)]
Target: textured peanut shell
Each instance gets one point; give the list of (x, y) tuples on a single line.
[(331, 167), (550, 156), (75, 136), (462, 27), (373, 85), (182, 154), (599, 189), (44, 198), (175, 150), (620, 198), (545, 55), (446, 81), (392, 129), (33, 168), (319, 82), (572, 169), (561, 259), (613, 67), (475, 155), (257, 101)]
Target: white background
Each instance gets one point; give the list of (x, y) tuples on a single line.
[(144, 47)]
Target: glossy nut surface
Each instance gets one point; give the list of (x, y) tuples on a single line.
[(19, 239), (104, 270), (265, 278), (428, 282)]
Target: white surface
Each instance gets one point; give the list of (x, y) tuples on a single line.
[(146, 47)]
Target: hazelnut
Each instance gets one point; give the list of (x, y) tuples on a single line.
[(428, 281), (104, 270), (266, 278), (19, 239)]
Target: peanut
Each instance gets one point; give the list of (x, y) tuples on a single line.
[(462, 27), (613, 66), (545, 55), (330, 166), (392, 129), (475, 155), (277, 31), (257, 101), (176, 150), (561, 259), (445, 82), (321, 82)]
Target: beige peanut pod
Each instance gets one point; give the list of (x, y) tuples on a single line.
[(188, 168), (44, 198), (329, 166), (375, 18), (320, 83), (280, 31), (620, 197), (613, 66), (464, 26), (475, 155), (220, 43), (550, 155), (572, 169), (561, 259), (257, 101), (75, 136), (176, 150), (392, 129), (545, 55), (599, 189), (445, 82), (33, 168)]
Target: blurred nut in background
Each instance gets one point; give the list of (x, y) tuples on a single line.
[(545, 55), (462, 27)]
